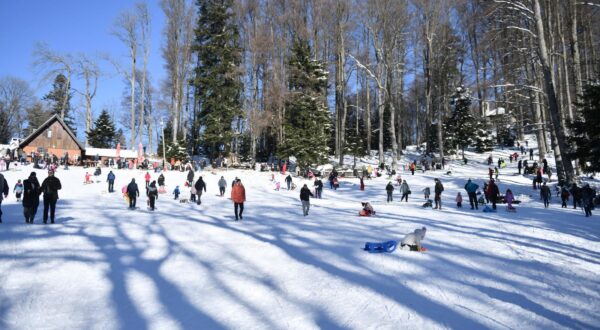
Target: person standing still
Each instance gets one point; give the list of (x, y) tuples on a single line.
[(439, 188), (3, 191), (111, 181), (50, 188), (238, 196), (31, 197)]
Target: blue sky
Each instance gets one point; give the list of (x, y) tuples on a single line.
[(72, 26)]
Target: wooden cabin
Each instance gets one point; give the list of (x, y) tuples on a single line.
[(53, 138)]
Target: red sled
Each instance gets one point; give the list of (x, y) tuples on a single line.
[(364, 213)]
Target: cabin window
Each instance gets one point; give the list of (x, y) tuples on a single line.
[(49, 133)]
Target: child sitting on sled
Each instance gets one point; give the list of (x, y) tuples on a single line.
[(367, 210), (412, 241)]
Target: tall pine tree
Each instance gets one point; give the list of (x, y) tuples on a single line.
[(585, 135), (217, 76), (59, 99), (103, 135), (307, 119)]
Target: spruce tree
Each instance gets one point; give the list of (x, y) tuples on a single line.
[(36, 116), (585, 135), (462, 126), (59, 98), (307, 119), (217, 75), (103, 135), (172, 149)]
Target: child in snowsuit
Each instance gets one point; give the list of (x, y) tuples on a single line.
[(367, 209), (176, 192), (459, 200), (18, 190), (509, 198), (426, 192), (87, 178), (412, 241)]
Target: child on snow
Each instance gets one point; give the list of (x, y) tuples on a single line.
[(459, 200), (87, 178), (509, 198), (367, 209), (277, 185), (412, 241), (176, 192), (192, 194), (426, 192), (18, 190)]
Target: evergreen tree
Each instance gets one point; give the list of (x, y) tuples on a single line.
[(307, 119), (462, 126), (217, 76), (175, 149), (59, 98), (103, 134), (36, 116), (585, 135), (483, 139), (4, 131), (120, 138)]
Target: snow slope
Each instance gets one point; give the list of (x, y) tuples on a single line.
[(188, 267)]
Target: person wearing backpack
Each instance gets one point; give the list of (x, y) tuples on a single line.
[(50, 188), (152, 193)]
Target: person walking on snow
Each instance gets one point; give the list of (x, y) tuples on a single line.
[(413, 167), (176, 192), (152, 194), (111, 181), (161, 183), (190, 177), (87, 178), (18, 190), (147, 177), (404, 190), (50, 188), (587, 198), (491, 173), (564, 195), (492, 193), (471, 188), (412, 241), (222, 186), (362, 183), (3, 192), (531, 154), (200, 185), (305, 195), (496, 172), (390, 190), (133, 193), (459, 200), (288, 181), (509, 198), (520, 165), (238, 196), (318, 188), (545, 194), (439, 188), (31, 197)]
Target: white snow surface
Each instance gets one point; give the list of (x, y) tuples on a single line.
[(185, 266)]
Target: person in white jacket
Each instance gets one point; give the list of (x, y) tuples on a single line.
[(412, 241)]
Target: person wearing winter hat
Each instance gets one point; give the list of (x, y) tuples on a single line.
[(412, 241), (50, 188), (31, 197)]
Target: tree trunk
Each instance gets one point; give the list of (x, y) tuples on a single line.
[(133, 59), (552, 103)]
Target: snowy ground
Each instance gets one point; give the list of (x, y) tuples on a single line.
[(186, 266)]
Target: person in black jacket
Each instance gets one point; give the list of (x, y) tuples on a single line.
[(133, 192), (152, 194), (318, 188), (3, 191), (31, 197), (305, 195), (200, 185), (390, 190), (438, 189), (190, 177), (50, 188)]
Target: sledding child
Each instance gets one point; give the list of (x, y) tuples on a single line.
[(509, 198), (459, 200), (412, 241), (426, 191), (367, 210), (87, 178), (176, 192), (18, 190)]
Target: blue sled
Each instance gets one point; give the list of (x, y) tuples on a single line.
[(383, 247), (488, 209)]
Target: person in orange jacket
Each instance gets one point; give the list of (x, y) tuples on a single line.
[(238, 196)]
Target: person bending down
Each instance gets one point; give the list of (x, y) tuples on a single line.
[(412, 241)]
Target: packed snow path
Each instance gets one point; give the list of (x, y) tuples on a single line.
[(103, 266)]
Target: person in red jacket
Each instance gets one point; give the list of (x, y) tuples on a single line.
[(238, 196), (147, 177)]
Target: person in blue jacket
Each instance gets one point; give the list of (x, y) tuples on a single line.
[(111, 182), (471, 188)]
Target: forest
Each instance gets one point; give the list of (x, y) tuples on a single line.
[(252, 79)]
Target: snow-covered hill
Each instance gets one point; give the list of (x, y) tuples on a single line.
[(103, 266)]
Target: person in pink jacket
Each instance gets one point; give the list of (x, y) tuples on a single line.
[(458, 200)]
